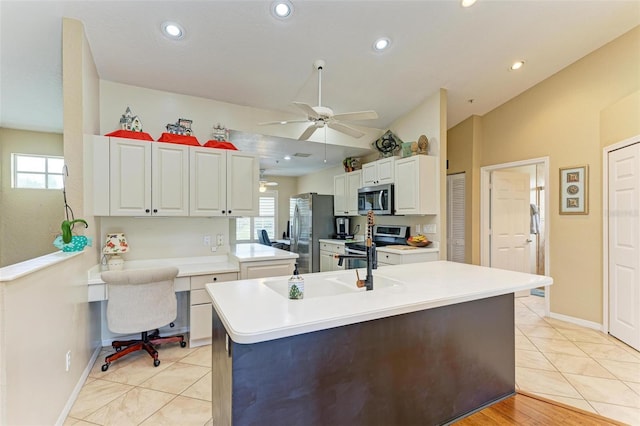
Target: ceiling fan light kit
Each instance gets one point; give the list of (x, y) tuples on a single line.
[(319, 116)]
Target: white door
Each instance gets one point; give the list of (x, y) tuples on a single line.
[(130, 177), (243, 182), (354, 180), (510, 221), (455, 217), (208, 181), (624, 238)]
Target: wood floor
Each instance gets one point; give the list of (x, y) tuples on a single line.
[(527, 409)]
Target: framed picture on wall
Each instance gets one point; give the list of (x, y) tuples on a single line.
[(574, 190)]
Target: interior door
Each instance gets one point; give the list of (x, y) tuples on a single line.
[(510, 221), (624, 237)]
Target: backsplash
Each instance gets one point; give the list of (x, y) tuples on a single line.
[(167, 237)]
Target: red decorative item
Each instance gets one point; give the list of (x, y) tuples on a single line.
[(220, 145), (129, 134), (181, 139)]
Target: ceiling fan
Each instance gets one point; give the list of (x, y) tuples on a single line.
[(319, 116), (264, 183)]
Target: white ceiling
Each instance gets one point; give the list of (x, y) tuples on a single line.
[(235, 51)]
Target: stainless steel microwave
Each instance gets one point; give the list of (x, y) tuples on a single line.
[(378, 199)]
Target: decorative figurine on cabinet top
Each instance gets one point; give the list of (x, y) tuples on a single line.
[(130, 122), (388, 144), (181, 127), (423, 145), (220, 133)]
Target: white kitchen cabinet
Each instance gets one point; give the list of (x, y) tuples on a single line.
[(385, 257), (200, 310), (266, 268), (223, 182), (328, 250), (148, 178), (345, 193), (378, 172), (417, 186)]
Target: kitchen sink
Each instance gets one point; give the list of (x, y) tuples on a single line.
[(323, 285)]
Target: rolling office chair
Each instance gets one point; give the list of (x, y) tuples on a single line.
[(140, 300), (263, 238)]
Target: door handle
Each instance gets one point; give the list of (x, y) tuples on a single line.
[(529, 241)]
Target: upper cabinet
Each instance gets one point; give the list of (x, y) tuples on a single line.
[(223, 182), (417, 185), (148, 178), (141, 178), (345, 193), (378, 172)]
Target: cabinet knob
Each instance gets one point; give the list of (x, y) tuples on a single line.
[(155, 210), (215, 278), (147, 211), (229, 211), (224, 211)]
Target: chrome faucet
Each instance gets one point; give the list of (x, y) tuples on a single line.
[(371, 257)]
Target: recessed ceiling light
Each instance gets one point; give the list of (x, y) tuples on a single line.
[(172, 30), (517, 65), (467, 3), (287, 157), (282, 9), (381, 44)]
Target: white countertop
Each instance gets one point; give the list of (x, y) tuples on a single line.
[(256, 252), (17, 270), (253, 312), (187, 266), (414, 251), (357, 238)]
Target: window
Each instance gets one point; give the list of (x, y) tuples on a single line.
[(36, 171), (247, 227)]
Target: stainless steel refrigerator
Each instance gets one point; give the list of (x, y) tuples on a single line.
[(311, 220)]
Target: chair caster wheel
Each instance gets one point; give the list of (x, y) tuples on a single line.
[(183, 344), (171, 325), (119, 348), (156, 362), (105, 367)]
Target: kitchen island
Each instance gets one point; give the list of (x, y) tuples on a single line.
[(432, 342)]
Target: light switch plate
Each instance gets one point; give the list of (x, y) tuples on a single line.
[(429, 228)]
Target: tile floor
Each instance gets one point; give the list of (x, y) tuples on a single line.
[(554, 359)]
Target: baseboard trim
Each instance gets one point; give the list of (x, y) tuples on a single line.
[(577, 321), (78, 388)]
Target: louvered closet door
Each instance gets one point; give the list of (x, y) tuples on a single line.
[(455, 217)]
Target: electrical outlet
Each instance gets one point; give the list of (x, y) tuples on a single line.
[(68, 360), (214, 249), (206, 240), (417, 226), (220, 239), (429, 228)]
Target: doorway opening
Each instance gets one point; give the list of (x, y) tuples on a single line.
[(514, 218)]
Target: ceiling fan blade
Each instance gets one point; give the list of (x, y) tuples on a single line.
[(282, 122), (311, 113), (346, 129), (360, 115), (308, 132)]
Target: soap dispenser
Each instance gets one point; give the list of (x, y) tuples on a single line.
[(296, 285)]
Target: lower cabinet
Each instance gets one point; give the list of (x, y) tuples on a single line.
[(266, 268), (386, 258), (200, 307), (328, 261)]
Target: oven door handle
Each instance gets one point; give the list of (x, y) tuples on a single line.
[(380, 200)]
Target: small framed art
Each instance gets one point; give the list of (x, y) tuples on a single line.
[(574, 190)]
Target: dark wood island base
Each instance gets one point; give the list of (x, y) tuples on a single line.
[(422, 368)]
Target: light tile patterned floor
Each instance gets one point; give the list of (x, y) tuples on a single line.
[(554, 359)]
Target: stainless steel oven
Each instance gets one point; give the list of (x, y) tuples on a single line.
[(354, 263)]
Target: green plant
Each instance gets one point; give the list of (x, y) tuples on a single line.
[(67, 226)]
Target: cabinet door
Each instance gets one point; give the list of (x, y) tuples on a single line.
[(169, 179), (129, 177), (326, 261), (369, 174), (208, 181), (340, 195), (386, 170), (417, 185), (243, 180), (251, 270), (200, 322), (354, 182)]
